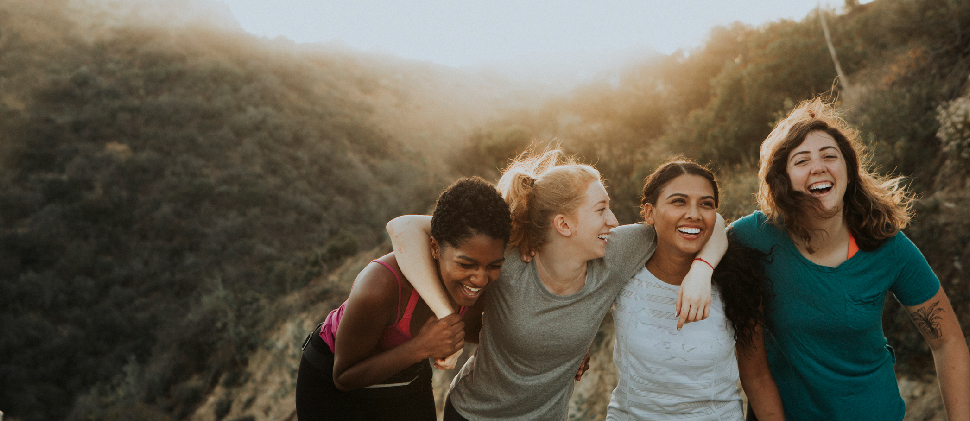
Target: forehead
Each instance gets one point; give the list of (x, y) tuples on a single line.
[(689, 184), (815, 141), (596, 193), (479, 247)]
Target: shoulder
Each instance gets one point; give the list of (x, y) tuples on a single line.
[(631, 235), (376, 286), (756, 231), (899, 247), (751, 222)]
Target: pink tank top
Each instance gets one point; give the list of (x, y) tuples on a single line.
[(393, 335)]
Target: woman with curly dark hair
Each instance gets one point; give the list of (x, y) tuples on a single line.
[(369, 360), (691, 372), (837, 250)]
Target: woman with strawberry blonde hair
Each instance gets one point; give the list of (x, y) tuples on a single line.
[(834, 230)]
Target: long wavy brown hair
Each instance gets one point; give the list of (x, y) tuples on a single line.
[(875, 207), (538, 187)]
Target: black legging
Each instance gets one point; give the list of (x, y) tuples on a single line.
[(317, 398)]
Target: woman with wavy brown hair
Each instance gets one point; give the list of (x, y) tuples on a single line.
[(833, 228)]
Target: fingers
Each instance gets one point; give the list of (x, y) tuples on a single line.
[(447, 363), (451, 319), (693, 313), (680, 301), (527, 256), (583, 367), (682, 319)]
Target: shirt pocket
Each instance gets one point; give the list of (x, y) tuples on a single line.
[(863, 310)]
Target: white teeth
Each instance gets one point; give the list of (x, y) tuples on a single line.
[(472, 289), (603, 237), (689, 230), (820, 186)]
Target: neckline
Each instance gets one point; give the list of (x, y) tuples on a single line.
[(590, 268), (790, 245)]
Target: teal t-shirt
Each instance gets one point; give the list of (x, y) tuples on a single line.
[(827, 350)]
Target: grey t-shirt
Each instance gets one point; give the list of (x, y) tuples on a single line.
[(533, 341)]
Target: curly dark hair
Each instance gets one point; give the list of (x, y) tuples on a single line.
[(470, 206), (745, 289)]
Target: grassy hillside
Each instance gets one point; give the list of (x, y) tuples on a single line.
[(175, 200), (160, 187)]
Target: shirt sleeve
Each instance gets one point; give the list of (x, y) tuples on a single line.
[(916, 281), (745, 230), (629, 248)]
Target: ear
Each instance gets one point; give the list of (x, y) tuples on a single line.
[(562, 225), (435, 249), (648, 214)]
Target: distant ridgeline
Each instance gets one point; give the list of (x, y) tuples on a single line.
[(162, 187), (158, 188)]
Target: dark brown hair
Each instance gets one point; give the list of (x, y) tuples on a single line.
[(654, 184), (875, 208)]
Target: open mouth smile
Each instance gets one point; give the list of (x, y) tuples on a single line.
[(820, 188), (470, 291), (689, 231)]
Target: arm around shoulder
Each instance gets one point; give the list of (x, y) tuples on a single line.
[(694, 295), (411, 239)]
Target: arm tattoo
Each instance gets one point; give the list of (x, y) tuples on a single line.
[(927, 320)]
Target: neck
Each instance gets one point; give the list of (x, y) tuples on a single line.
[(829, 232), (559, 271), (670, 265)]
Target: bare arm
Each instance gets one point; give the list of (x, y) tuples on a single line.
[(694, 295), (371, 307), (756, 379), (939, 326), (411, 239)]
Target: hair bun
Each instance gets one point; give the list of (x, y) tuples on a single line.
[(528, 181)]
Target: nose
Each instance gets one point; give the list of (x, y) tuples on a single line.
[(479, 278), (611, 220), (693, 212), (817, 167)]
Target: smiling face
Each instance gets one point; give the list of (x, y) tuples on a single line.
[(469, 267), (683, 215), (592, 221), (817, 167)]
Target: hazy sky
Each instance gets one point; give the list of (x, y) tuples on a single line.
[(473, 32)]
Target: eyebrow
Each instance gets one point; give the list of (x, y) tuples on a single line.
[(685, 196)]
